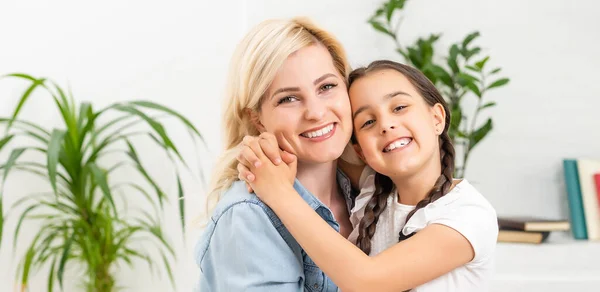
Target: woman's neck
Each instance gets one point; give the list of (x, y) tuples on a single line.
[(319, 179), (414, 188)]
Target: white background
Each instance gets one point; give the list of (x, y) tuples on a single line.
[(177, 52)]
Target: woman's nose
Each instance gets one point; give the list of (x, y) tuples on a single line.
[(315, 110)]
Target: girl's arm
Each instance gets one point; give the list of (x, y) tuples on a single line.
[(432, 252)]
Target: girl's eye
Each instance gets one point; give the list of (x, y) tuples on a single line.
[(328, 86), (286, 99), (367, 123), (399, 108)]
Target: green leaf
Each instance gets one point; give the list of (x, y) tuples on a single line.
[(156, 126), (456, 117), (481, 63), (469, 38), (133, 155), (479, 134), (54, 149), (452, 62), (495, 71), (473, 87), (51, 276), (389, 10), (101, 179), (168, 268), (159, 107), (498, 83), (21, 218), (489, 104), (441, 74), (24, 97), (465, 77), (64, 258), (5, 141), (181, 200), (472, 68), (379, 27)]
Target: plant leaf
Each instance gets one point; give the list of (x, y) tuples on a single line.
[(473, 68), (479, 134), (481, 63), (489, 104), (64, 258), (25, 96), (473, 87), (159, 107), (181, 200), (498, 83), (469, 38), (101, 179), (441, 74), (452, 62), (495, 71), (54, 147), (378, 26)]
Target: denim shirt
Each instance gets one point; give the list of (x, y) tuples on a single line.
[(246, 247)]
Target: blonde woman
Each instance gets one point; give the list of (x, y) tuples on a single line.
[(287, 77)]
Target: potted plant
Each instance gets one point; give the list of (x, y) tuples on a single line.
[(79, 219), (461, 74)]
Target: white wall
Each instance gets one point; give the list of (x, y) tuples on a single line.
[(177, 53)]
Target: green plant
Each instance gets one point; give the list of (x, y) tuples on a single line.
[(79, 219), (461, 73)]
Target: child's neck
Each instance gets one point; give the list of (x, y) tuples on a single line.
[(414, 188), (320, 180)]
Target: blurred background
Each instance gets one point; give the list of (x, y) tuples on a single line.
[(175, 53)]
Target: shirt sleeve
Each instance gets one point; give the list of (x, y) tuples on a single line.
[(476, 220), (247, 253)]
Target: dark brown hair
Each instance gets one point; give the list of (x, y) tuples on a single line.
[(383, 184)]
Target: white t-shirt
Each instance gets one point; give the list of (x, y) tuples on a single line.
[(463, 209)]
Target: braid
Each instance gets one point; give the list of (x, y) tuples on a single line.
[(378, 203), (444, 181)]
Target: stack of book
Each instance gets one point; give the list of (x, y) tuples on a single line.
[(582, 180), (528, 229)]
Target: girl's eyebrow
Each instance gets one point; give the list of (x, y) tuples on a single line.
[(387, 96)]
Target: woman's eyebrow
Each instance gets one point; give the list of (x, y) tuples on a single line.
[(285, 89), (325, 76)]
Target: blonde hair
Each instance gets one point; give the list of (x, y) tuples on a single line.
[(253, 67)]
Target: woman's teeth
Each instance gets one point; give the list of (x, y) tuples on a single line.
[(397, 144), (318, 133)]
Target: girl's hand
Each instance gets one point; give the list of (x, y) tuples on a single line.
[(267, 144)]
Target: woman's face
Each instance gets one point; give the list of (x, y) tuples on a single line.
[(307, 107)]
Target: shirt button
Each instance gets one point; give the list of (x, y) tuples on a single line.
[(316, 286)]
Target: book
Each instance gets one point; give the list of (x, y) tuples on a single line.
[(597, 180), (529, 223), (518, 236), (577, 216), (586, 169)]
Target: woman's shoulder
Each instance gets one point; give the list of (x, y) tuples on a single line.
[(237, 197)]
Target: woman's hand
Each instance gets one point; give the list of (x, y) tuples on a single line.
[(265, 144)]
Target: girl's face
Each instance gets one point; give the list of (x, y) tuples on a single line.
[(397, 131), (308, 105)]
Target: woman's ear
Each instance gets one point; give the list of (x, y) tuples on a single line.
[(439, 118), (255, 120)]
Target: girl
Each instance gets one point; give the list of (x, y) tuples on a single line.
[(423, 230)]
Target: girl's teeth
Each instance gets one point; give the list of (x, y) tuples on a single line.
[(397, 144), (319, 133)]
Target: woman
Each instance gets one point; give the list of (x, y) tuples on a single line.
[(287, 77)]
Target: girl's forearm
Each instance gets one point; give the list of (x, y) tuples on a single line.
[(346, 264)]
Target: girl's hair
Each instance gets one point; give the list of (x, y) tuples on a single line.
[(383, 184), (253, 67)]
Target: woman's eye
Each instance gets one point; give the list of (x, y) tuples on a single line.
[(399, 108), (286, 99), (367, 123), (328, 86)]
